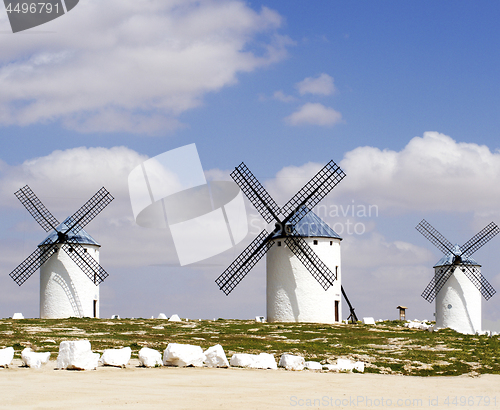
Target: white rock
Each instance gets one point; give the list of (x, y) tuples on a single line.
[(313, 366), (182, 355), (215, 357), (368, 321), (150, 357), (6, 356), (174, 318), (345, 365), (253, 361), (77, 354), (33, 359), (416, 324), (162, 316), (359, 366), (116, 357), (115, 316), (260, 319), (17, 316), (291, 362)]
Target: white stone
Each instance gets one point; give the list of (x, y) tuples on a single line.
[(77, 354), (174, 318), (115, 316), (260, 319), (34, 359), (345, 365), (313, 366), (291, 362), (215, 357), (150, 357), (293, 295), (162, 316), (253, 361), (65, 290), (116, 357), (6, 356), (359, 366), (368, 321), (182, 355), (17, 316), (416, 324)]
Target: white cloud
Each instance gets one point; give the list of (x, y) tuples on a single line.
[(321, 85), (431, 173), (281, 96), (315, 114), (132, 65)]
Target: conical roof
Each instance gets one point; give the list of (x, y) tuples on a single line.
[(448, 259), (82, 236), (311, 225)]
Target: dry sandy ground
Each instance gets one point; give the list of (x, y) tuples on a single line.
[(203, 388)]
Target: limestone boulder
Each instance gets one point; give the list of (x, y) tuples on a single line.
[(215, 357), (254, 361), (183, 355), (291, 362), (150, 357), (313, 366), (6, 356), (77, 355), (33, 359), (116, 357)]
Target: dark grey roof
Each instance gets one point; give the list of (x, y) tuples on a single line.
[(82, 236), (311, 225), (448, 259)]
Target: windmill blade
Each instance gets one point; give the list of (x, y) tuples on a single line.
[(233, 275), (84, 261), (481, 238), (435, 285), (312, 193), (438, 240), (37, 210), (256, 193), (33, 262), (310, 260), (478, 280), (89, 210)]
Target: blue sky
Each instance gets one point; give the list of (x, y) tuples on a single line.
[(404, 95)]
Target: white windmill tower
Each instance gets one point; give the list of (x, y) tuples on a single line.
[(65, 288), (458, 284), (303, 253)]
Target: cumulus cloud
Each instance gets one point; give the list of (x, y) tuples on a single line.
[(321, 85), (315, 114), (128, 65), (431, 173), (281, 96)]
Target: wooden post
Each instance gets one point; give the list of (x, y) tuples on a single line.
[(402, 313)]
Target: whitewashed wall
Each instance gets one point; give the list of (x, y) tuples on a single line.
[(65, 291), (293, 294)]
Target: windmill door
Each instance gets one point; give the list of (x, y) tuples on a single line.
[(336, 310)]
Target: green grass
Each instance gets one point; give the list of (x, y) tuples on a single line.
[(387, 347)]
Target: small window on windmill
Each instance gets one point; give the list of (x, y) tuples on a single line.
[(331, 243), (315, 242), (279, 243), (85, 250)]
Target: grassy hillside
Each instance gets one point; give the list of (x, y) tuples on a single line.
[(388, 347)]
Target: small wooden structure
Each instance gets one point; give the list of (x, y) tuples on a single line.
[(402, 312)]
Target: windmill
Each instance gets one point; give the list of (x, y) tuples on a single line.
[(300, 286), (458, 284), (69, 280)]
